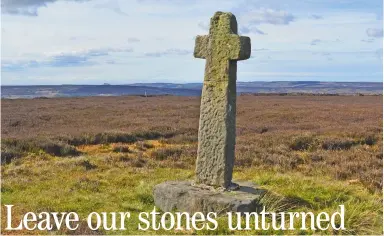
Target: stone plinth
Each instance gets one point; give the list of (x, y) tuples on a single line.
[(182, 196)]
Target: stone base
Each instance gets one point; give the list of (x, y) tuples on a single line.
[(182, 196)]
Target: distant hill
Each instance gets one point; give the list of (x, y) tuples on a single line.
[(316, 87), (90, 90), (189, 89)]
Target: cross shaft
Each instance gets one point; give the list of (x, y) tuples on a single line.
[(221, 48)]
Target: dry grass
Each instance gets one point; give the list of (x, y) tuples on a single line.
[(314, 152), (23, 118), (339, 136)]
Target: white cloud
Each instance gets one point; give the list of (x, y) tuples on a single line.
[(26, 7), (379, 53), (268, 16), (133, 40), (316, 17), (315, 42), (112, 5), (160, 34), (376, 33), (168, 52), (62, 59)]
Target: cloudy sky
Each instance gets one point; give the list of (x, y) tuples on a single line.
[(130, 41)]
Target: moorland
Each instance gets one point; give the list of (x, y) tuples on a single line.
[(311, 153)]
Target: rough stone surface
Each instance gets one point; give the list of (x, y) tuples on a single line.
[(183, 196), (222, 48)]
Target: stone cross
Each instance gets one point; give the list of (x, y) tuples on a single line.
[(221, 48)]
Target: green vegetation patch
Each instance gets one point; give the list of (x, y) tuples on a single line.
[(104, 183), (15, 148)]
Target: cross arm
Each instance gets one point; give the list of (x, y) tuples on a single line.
[(240, 47), (201, 46)]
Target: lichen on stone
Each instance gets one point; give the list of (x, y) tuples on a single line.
[(221, 48)]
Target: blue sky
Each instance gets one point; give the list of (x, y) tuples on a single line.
[(132, 41)]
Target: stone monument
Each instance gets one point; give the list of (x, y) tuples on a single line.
[(221, 48)]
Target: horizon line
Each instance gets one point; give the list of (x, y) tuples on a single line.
[(133, 84)]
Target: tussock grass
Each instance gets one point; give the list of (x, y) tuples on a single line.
[(302, 143), (15, 148), (66, 185), (142, 145), (122, 149), (116, 137), (164, 153), (66, 146), (311, 153)]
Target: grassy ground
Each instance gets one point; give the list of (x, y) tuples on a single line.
[(106, 154)]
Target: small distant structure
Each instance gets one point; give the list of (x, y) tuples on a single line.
[(106, 84)]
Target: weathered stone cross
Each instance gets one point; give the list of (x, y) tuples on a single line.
[(216, 151), (222, 48)]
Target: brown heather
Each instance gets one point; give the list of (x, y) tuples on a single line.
[(336, 136)]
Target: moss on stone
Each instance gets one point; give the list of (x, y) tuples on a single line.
[(221, 48), (221, 45)]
